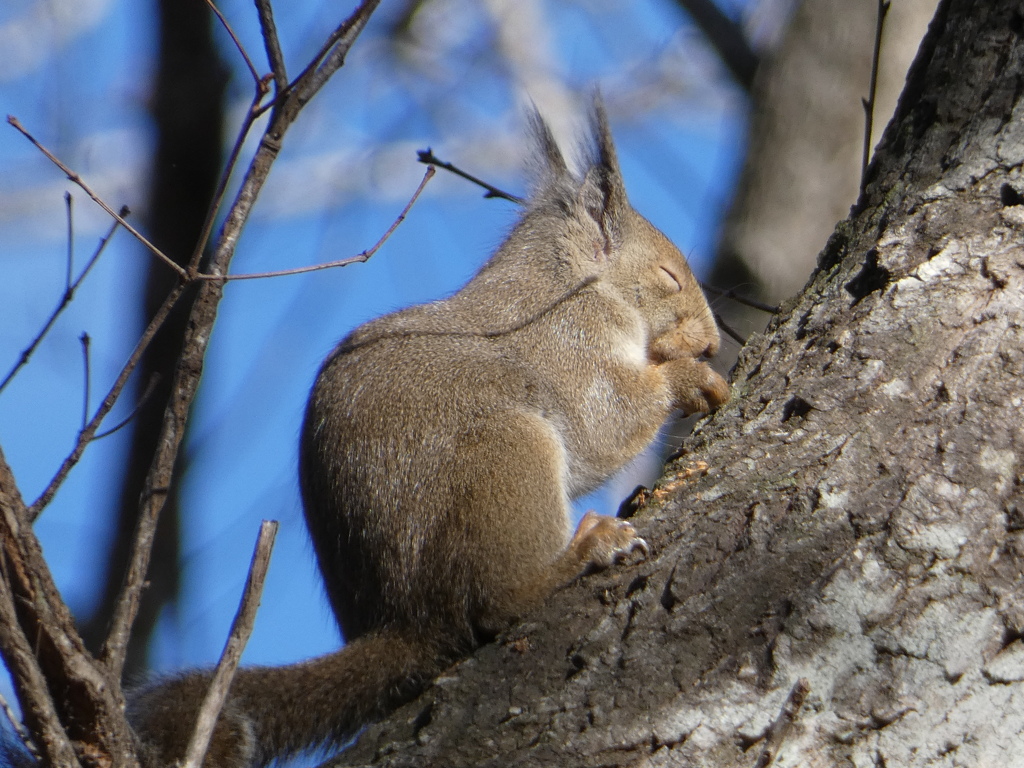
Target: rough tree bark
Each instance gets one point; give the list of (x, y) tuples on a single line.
[(852, 518)]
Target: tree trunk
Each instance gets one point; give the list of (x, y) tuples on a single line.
[(852, 519), (802, 170)]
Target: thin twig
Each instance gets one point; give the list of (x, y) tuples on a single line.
[(64, 301), (729, 293), (86, 435), (33, 690), (869, 103), (427, 156), (729, 330), (332, 53), (358, 258), (241, 629), (272, 44), (84, 339), (150, 388), (225, 177), (199, 329), (69, 206), (26, 581), (783, 724), (74, 177), (234, 38)]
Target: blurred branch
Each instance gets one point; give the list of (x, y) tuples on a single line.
[(331, 55), (241, 629), (69, 294), (86, 374), (727, 37), (188, 105), (69, 204), (728, 329), (729, 293)]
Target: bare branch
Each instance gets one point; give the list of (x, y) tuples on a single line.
[(64, 301), (427, 156), (69, 206), (869, 102), (241, 629), (235, 40), (31, 684), (56, 659), (729, 293), (86, 435), (200, 326), (273, 45), (74, 177), (331, 55), (726, 36), (357, 259), (729, 330), (150, 387), (229, 167), (29, 679), (84, 339), (30, 605)]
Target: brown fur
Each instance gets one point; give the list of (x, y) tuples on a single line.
[(442, 445)]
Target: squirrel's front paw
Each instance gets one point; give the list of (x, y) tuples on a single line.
[(696, 387), (601, 541)]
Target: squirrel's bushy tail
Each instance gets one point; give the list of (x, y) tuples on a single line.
[(275, 712), (327, 700)]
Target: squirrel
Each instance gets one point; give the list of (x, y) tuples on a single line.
[(441, 447)]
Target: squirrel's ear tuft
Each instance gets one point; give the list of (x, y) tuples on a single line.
[(595, 192), (548, 156), (552, 180), (603, 191)]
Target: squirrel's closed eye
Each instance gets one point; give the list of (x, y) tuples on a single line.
[(671, 280)]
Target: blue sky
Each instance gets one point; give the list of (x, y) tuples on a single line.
[(348, 167)]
